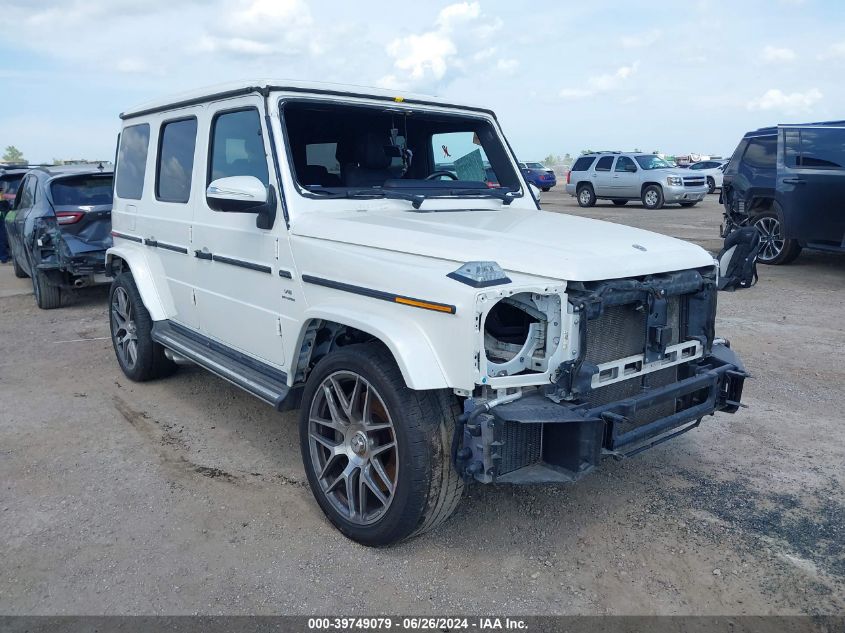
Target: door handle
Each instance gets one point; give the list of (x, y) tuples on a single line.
[(795, 181)]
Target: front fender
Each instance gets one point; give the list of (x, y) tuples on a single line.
[(143, 269), (406, 340)]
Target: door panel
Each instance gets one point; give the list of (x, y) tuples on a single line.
[(239, 294), (811, 184), (602, 176), (625, 182)]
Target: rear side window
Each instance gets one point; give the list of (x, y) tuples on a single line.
[(26, 194), (762, 152), (815, 148), (176, 160), (82, 190), (237, 146), (132, 161), (583, 163), (604, 163)]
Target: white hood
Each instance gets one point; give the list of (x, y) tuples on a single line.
[(542, 243)]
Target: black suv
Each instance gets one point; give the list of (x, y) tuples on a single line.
[(789, 182)]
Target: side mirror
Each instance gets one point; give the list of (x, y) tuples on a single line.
[(243, 194)]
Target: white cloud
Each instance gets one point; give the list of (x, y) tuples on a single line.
[(601, 83), (642, 39), (772, 54), (792, 103), (459, 41), (132, 65), (834, 51)]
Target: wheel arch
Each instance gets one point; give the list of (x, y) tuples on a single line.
[(649, 183), (120, 259), (404, 339)]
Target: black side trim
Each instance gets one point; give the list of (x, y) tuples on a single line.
[(379, 294), (285, 273), (203, 255), (242, 264), (166, 246), (131, 238)]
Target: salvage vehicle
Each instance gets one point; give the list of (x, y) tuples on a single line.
[(432, 330), (59, 229), (622, 177), (788, 182)]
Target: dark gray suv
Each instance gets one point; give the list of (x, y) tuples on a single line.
[(788, 181)]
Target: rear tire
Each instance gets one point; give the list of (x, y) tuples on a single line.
[(586, 196), (20, 273), (774, 249), (406, 488), (546, 188), (653, 197), (47, 296), (620, 203), (131, 326), (711, 184)]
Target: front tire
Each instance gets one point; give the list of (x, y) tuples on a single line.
[(546, 188), (711, 184), (774, 248), (47, 296), (131, 325), (586, 196), (376, 453), (653, 197)]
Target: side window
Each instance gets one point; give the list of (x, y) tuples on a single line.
[(132, 161), (604, 163), (822, 148), (583, 163), (237, 146), (177, 141), (697, 166), (762, 152), (26, 195), (625, 164)]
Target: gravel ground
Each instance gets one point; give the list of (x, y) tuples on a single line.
[(188, 496)]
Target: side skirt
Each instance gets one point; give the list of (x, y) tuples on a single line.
[(251, 375)]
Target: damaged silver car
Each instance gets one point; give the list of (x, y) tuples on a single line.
[(59, 228)]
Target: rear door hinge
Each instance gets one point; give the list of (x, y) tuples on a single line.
[(277, 248), (279, 326), (190, 234)]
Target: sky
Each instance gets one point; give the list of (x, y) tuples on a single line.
[(562, 76)]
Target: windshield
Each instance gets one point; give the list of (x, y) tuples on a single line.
[(344, 151), (81, 191), (535, 165), (650, 161)]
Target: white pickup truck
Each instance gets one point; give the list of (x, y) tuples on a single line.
[(433, 325)]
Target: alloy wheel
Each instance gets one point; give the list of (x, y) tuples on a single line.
[(353, 447), (771, 239), (584, 197), (651, 198), (124, 330)]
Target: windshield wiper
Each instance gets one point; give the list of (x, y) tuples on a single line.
[(503, 195), (416, 199)]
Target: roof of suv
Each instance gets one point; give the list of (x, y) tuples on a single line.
[(773, 129), (237, 88)]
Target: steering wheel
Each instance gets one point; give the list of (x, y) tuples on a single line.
[(443, 172)]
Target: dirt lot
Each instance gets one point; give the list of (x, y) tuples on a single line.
[(188, 496)]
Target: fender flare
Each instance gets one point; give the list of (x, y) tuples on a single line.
[(143, 268), (407, 341)]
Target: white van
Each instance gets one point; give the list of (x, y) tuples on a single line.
[(345, 252)]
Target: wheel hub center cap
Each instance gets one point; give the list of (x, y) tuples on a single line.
[(358, 444)]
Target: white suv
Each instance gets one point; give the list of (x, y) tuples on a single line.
[(299, 241)]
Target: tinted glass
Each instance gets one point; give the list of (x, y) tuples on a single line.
[(26, 196), (821, 148), (176, 160), (132, 161), (625, 164), (583, 163), (762, 152), (650, 161), (535, 165), (82, 191), (9, 185), (604, 163), (237, 146), (697, 166)]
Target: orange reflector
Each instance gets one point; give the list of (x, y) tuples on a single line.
[(438, 307)]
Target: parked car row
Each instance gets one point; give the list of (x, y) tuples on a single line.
[(58, 224)]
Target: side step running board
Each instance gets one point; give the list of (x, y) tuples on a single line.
[(249, 374)]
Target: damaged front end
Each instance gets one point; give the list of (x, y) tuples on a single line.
[(72, 256), (641, 365)]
